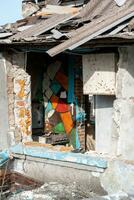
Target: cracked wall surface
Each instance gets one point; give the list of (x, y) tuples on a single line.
[(123, 116), (19, 98), (3, 104)]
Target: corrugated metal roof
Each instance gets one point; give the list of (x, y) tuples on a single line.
[(98, 8), (43, 26), (99, 18), (107, 20)]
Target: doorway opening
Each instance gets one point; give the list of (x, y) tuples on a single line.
[(60, 110)]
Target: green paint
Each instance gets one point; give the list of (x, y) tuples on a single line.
[(59, 128), (73, 138)]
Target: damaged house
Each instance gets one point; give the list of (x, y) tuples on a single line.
[(67, 91)]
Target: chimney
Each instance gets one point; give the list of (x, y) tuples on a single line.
[(29, 7)]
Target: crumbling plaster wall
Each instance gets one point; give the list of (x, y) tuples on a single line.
[(124, 105), (19, 98), (116, 125), (99, 77)]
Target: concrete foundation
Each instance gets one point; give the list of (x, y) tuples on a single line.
[(51, 171), (113, 180)]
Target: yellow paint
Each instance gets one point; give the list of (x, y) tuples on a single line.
[(20, 103), (22, 113), (21, 93), (54, 100), (28, 122)]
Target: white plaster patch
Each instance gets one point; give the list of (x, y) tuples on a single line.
[(50, 113), (63, 95), (16, 88), (96, 174), (45, 104), (19, 166)]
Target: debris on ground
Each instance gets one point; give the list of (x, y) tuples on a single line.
[(56, 191), (52, 191)]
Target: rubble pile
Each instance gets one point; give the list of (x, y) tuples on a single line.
[(56, 191)]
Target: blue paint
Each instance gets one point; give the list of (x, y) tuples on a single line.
[(46, 153), (49, 107), (55, 87), (77, 107), (71, 80), (80, 116), (4, 156), (77, 135)]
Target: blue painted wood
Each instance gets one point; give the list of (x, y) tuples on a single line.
[(4, 156), (71, 80), (55, 87), (49, 107), (46, 153)]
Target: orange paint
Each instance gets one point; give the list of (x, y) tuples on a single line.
[(28, 114), (62, 79), (67, 121), (20, 103), (28, 122), (54, 100), (62, 107), (25, 121)]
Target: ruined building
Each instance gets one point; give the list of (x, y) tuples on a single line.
[(67, 92)]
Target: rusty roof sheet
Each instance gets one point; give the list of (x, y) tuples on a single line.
[(103, 17)]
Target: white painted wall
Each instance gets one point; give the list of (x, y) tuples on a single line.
[(3, 105), (99, 74), (104, 123)]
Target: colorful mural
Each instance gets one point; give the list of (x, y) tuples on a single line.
[(60, 111)]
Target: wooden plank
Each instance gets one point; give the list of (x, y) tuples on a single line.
[(42, 26), (53, 9)]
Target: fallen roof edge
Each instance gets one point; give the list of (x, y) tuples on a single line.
[(88, 34)]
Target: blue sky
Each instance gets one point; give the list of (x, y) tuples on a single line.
[(10, 11)]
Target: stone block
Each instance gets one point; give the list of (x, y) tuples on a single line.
[(124, 122)]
